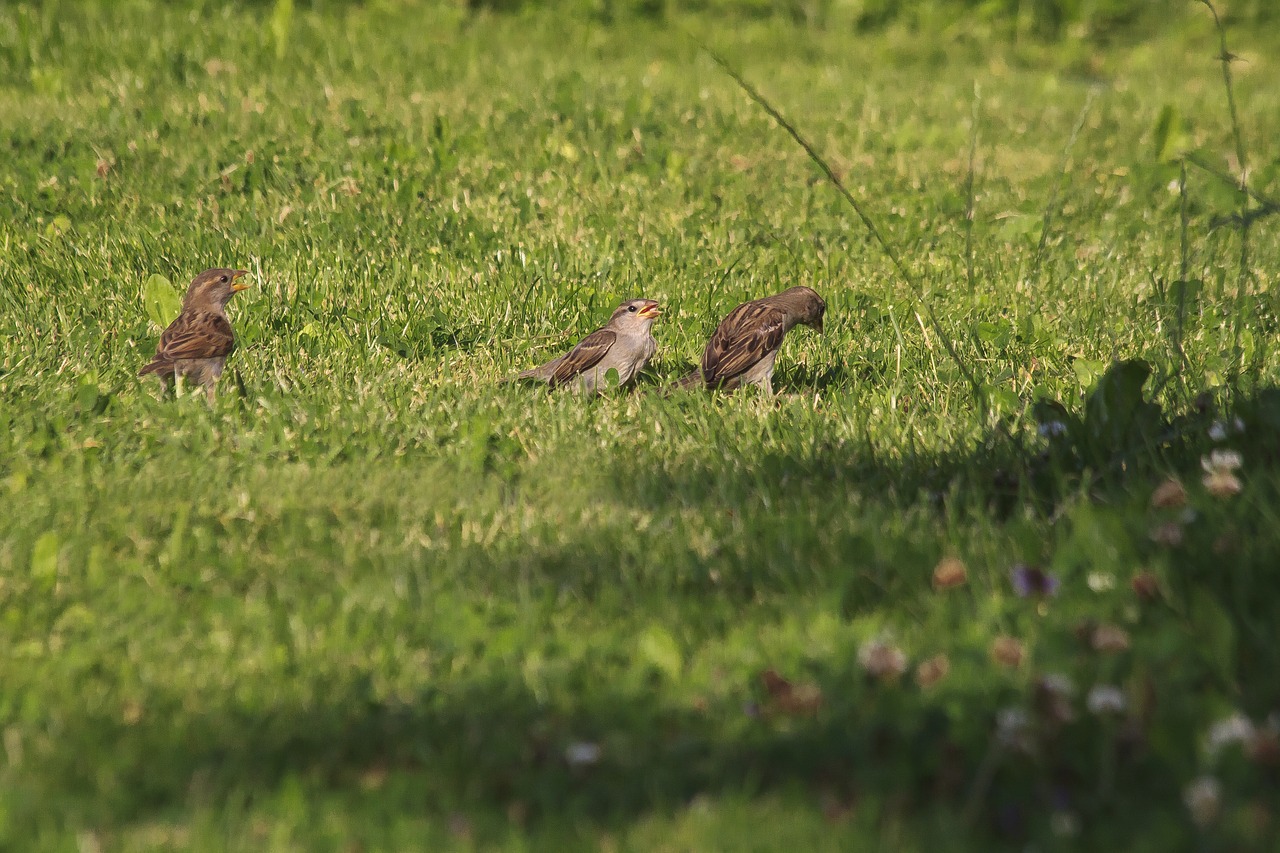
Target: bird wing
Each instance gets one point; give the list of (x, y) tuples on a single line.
[(197, 335), (586, 355), (748, 334)]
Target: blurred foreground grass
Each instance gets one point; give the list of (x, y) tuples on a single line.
[(372, 600)]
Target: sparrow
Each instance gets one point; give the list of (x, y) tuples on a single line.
[(197, 343), (624, 344), (745, 345)]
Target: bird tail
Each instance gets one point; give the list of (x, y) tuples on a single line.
[(693, 380), (157, 366), (534, 374)]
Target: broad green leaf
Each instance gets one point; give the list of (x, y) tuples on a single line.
[(1087, 371), (281, 21), (1215, 632), (661, 650), (1003, 400), (161, 300), (1168, 137), (58, 226), (44, 558)]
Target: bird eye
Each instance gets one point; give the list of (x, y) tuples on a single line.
[(222, 279), (632, 309)]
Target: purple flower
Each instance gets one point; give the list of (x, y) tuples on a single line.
[(1029, 581)]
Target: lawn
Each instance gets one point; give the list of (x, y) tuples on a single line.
[(997, 567)]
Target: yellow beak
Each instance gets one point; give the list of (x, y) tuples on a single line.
[(236, 284)]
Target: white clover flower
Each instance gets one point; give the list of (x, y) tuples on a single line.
[(1064, 824), (1236, 728), (1052, 429), (1013, 728), (1053, 698), (1219, 473), (1222, 460), (582, 754), (1203, 799), (1100, 581), (1218, 432), (1058, 684), (1105, 699), (882, 660)]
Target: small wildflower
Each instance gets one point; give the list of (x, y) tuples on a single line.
[(1168, 534), (1058, 684), (1101, 581), (1264, 747), (1145, 585), (1236, 728), (882, 660), (793, 700), (1222, 484), (1228, 460), (1203, 798), (948, 573), (1225, 543), (1013, 728), (1169, 495), (1007, 651), (1219, 473), (1052, 429), (1053, 695), (933, 670), (1109, 638), (1032, 581), (1064, 824), (1220, 429), (582, 754), (1105, 699)]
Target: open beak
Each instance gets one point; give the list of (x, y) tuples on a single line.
[(651, 310), (236, 284)]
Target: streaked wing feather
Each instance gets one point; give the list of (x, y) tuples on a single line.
[(202, 335), (748, 334), (586, 355)]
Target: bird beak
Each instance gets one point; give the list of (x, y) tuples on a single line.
[(236, 284), (650, 310), (818, 326)]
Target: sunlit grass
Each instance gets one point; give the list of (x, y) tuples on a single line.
[(373, 598)]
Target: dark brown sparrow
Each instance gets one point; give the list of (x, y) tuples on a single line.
[(745, 345)]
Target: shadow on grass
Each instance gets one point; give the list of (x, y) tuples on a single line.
[(493, 750), (489, 748)]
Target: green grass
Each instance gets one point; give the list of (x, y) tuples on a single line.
[(370, 598)]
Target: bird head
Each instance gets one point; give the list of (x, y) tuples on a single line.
[(635, 314), (212, 288), (806, 305)]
